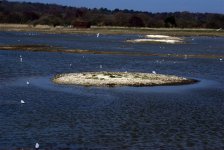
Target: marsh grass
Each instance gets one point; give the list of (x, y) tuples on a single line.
[(47, 48)]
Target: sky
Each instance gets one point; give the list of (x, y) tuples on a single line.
[(211, 6)]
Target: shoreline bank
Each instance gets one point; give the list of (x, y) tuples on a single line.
[(110, 30), (51, 49)]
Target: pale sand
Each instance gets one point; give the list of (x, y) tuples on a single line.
[(168, 41), (163, 37), (157, 36), (159, 39), (119, 79)]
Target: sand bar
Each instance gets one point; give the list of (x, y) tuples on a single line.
[(167, 41), (112, 79), (158, 39)]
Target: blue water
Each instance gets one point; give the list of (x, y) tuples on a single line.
[(76, 117)]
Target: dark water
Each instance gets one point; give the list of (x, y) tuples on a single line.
[(76, 117)]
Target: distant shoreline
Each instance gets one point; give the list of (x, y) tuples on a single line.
[(111, 30)]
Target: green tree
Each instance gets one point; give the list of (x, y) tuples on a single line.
[(170, 22), (136, 21)]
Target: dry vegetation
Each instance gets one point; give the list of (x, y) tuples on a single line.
[(46, 48), (110, 30)]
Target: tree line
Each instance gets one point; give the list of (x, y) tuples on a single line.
[(54, 15)]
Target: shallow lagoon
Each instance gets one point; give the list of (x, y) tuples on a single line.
[(58, 116)]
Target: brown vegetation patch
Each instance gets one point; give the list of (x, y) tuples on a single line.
[(46, 48)]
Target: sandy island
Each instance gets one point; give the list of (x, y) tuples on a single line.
[(158, 39), (112, 79)]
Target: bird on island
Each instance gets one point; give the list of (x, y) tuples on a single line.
[(98, 34), (37, 146), (22, 102), (154, 72)]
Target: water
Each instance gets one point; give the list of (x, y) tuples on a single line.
[(76, 117)]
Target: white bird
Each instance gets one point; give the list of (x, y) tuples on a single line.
[(70, 65), (22, 102), (37, 145), (220, 59), (101, 66), (21, 58), (154, 72), (27, 82), (219, 29), (98, 34)]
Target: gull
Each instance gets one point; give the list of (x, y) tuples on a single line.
[(154, 72), (220, 59), (22, 102), (37, 145), (98, 34), (70, 65), (101, 66), (21, 58), (27, 82)]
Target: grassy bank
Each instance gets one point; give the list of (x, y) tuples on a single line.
[(111, 30)]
